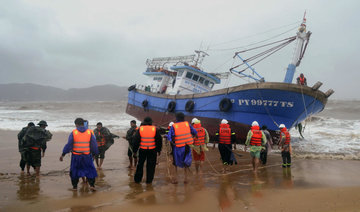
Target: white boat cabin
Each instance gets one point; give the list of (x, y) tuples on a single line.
[(183, 79)]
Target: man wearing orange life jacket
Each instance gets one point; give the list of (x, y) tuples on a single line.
[(256, 139), (181, 136), (225, 137), (285, 146), (148, 142), (199, 147), (301, 80), (129, 137), (82, 144), (101, 134)]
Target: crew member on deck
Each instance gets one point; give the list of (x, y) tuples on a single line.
[(301, 80)]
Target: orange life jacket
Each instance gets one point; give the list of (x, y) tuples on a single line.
[(102, 141), (256, 137), (225, 134), (287, 136), (182, 134), (302, 80), (81, 145), (200, 140), (147, 134)]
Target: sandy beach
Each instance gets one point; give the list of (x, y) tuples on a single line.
[(310, 185)]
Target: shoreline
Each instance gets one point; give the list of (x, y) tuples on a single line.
[(316, 185)]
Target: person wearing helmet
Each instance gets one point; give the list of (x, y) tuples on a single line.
[(199, 147), (285, 146), (256, 139), (225, 137), (129, 137)]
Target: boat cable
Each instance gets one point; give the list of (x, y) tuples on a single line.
[(267, 53), (313, 105), (252, 44), (267, 110), (258, 47)]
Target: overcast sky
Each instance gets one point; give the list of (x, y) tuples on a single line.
[(73, 43)]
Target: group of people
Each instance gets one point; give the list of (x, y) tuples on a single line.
[(188, 143), (84, 144)]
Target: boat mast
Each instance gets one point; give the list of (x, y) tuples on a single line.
[(302, 38)]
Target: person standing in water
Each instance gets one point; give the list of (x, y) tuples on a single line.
[(129, 137), (181, 136), (82, 144)]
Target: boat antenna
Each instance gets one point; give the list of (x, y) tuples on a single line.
[(200, 57)]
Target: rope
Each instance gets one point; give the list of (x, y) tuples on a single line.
[(207, 159), (242, 170), (167, 160)]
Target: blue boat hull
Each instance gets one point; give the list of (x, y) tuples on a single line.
[(270, 104)]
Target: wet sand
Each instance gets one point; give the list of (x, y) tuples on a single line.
[(310, 185)]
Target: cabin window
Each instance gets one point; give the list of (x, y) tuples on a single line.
[(211, 84), (189, 75), (195, 77), (179, 73), (201, 80), (157, 79), (206, 83)]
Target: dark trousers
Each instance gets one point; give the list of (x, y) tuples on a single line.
[(22, 161), (286, 158), (225, 152), (150, 156), (263, 155), (75, 181)]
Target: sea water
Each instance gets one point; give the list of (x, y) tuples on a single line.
[(334, 133)]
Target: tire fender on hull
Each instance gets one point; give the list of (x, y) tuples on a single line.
[(131, 87), (189, 106), (171, 106), (225, 105), (145, 103)]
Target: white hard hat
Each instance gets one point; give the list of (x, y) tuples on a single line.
[(224, 121), (281, 126), (255, 123), (171, 124), (193, 121)]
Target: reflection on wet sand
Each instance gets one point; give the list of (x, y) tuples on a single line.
[(29, 187)]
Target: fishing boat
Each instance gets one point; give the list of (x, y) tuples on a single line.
[(177, 84)]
